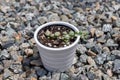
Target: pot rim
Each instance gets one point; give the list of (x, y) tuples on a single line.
[(54, 23)]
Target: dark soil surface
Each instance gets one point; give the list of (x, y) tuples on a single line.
[(56, 41)]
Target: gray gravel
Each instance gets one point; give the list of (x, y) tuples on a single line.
[(97, 54)]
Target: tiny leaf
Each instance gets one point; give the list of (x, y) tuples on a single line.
[(71, 33), (57, 34), (64, 32), (66, 37), (47, 33)]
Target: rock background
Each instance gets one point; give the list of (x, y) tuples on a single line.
[(97, 55)]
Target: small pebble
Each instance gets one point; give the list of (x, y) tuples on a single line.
[(42, 20), (116, 67), (25, 45), (7, 73), (64, 18), (114, 17), (91, 75), (100, 59), (99, 33), (16, 67), (72, 70), (83, 58), (54, 17), (92, 31), (109, 72), (29, 16), (107, 28), (41, 72), (64, 76), (91, 61), (81, 49), (33, 78), (1, 69), (28, 52), (91, 53), (36, 62), (55, 76), (7, 44), (4, 55)]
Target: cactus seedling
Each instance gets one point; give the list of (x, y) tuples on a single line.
[(64, 33), (52, 35), (66, 37), (71, 33), (47, 33), (57, 34)]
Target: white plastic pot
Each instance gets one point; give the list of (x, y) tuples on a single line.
[(57, 59)]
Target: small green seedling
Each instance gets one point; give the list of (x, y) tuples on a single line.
[(52, 35), (66, 37), (47, 33), (57, 34), (71, 33), (64, 33)]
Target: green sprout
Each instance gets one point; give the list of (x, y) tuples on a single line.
[(47, 33), (66, 37), (64, 32), (65, 40), (82, 34), (71, 33), (57, 34), (52, 35)]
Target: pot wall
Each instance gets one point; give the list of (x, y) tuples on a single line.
[(57, 60)]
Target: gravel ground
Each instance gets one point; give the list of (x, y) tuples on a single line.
[(97, 55)]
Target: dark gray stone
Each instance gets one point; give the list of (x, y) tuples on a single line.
[(107, 27), (41, 72), (100, 59), (4, 55), (83, 58), (111, 57), (49, 75), (90, 75), (7, 44), (97, 48), (7, 73), (1, 69), (78, 64), (36, 62), (16, 67), (116, 67), (26, 61), (81, 49)]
